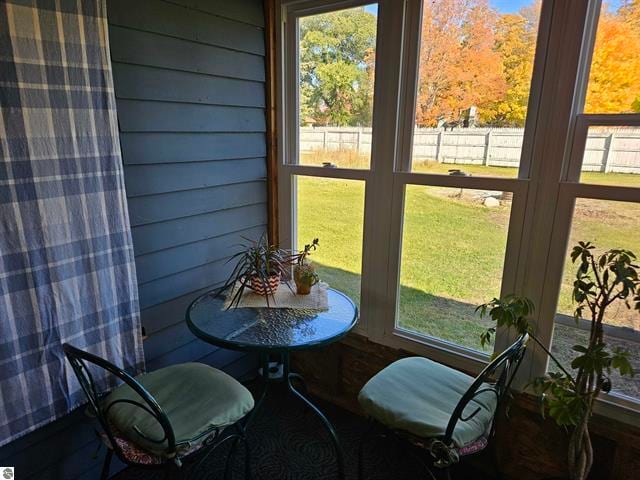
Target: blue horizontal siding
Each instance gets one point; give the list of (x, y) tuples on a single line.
[(150, 83), (145, 148), (157, 50), (173, 20), (174, 177), (149, 209)]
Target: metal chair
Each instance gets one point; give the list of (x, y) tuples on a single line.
[(152, 443), (450, 439)]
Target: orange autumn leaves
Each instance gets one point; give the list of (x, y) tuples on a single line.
[(473, 56), (459, 66)]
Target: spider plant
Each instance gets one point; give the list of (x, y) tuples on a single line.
[(259, 267)]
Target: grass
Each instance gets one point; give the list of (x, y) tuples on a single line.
[(453, 248)]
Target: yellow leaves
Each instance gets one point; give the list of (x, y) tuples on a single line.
[(515, 41), (614, 79)]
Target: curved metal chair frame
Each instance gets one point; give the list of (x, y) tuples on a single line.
[(442, 448), (172, 463)]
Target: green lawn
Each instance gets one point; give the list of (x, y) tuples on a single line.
[(453, 249)]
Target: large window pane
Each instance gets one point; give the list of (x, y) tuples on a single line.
[(614, 78), (333, 211), (336, 78), (612, 156), (475, 71), (453, 249), (606, 224)]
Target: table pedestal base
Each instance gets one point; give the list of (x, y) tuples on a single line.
[(286, 378)]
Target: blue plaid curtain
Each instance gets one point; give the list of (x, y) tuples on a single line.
[(67, 270)]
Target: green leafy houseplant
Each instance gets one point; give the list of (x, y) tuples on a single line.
[(568, 395), (260, 267), (304, 273)]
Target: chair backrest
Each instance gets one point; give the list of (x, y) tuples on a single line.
[(78, 360), (506, 364)]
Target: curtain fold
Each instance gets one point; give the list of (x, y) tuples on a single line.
[(67, 271)]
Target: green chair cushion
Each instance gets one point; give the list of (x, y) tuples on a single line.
[(198, 400), (418, 396)]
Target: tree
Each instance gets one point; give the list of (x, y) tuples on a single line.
[(336, 66), (614, 79), (515, 41), (630, 13), (459, 66)]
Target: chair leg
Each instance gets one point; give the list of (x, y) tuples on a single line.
[(229, 461), (172, 472), (104, 475), (496, 462), (444, 473), (248, 475)]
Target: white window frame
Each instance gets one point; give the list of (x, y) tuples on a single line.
[(538, 227), (570, 190), (442, 350)]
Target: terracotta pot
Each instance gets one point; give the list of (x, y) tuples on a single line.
[(265, 288), (305, 277)]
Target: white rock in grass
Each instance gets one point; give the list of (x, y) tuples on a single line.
[(491, 202)]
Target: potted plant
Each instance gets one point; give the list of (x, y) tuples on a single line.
[(304, 272), (568, 396), (261, 267)]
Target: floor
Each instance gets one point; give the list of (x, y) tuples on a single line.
[(287, 442)]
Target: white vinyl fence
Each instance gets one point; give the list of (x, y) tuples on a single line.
[(606, 151)]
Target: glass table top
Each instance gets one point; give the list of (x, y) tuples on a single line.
[(270, 329)]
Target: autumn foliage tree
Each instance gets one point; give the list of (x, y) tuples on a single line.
[(459, 66), (515, 42), (470, 56), (614, 78)]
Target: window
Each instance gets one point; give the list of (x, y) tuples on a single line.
[(332, 209), (455, 190), (331, 66), (606, 224), (474, 81), (612, 156), (453, 250), (600, 205), (614, 78), (336, 70), (449, 152)]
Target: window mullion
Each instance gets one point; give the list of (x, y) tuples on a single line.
[(377, 302), (541, 240)]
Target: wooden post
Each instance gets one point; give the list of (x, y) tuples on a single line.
[(358, 140), (271, 117), (324, 140), (487, 149), (439, 146), (608, 154)]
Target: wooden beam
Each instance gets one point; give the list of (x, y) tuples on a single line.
[(271, 113)]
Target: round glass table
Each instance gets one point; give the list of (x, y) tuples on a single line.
[(275, 332)]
